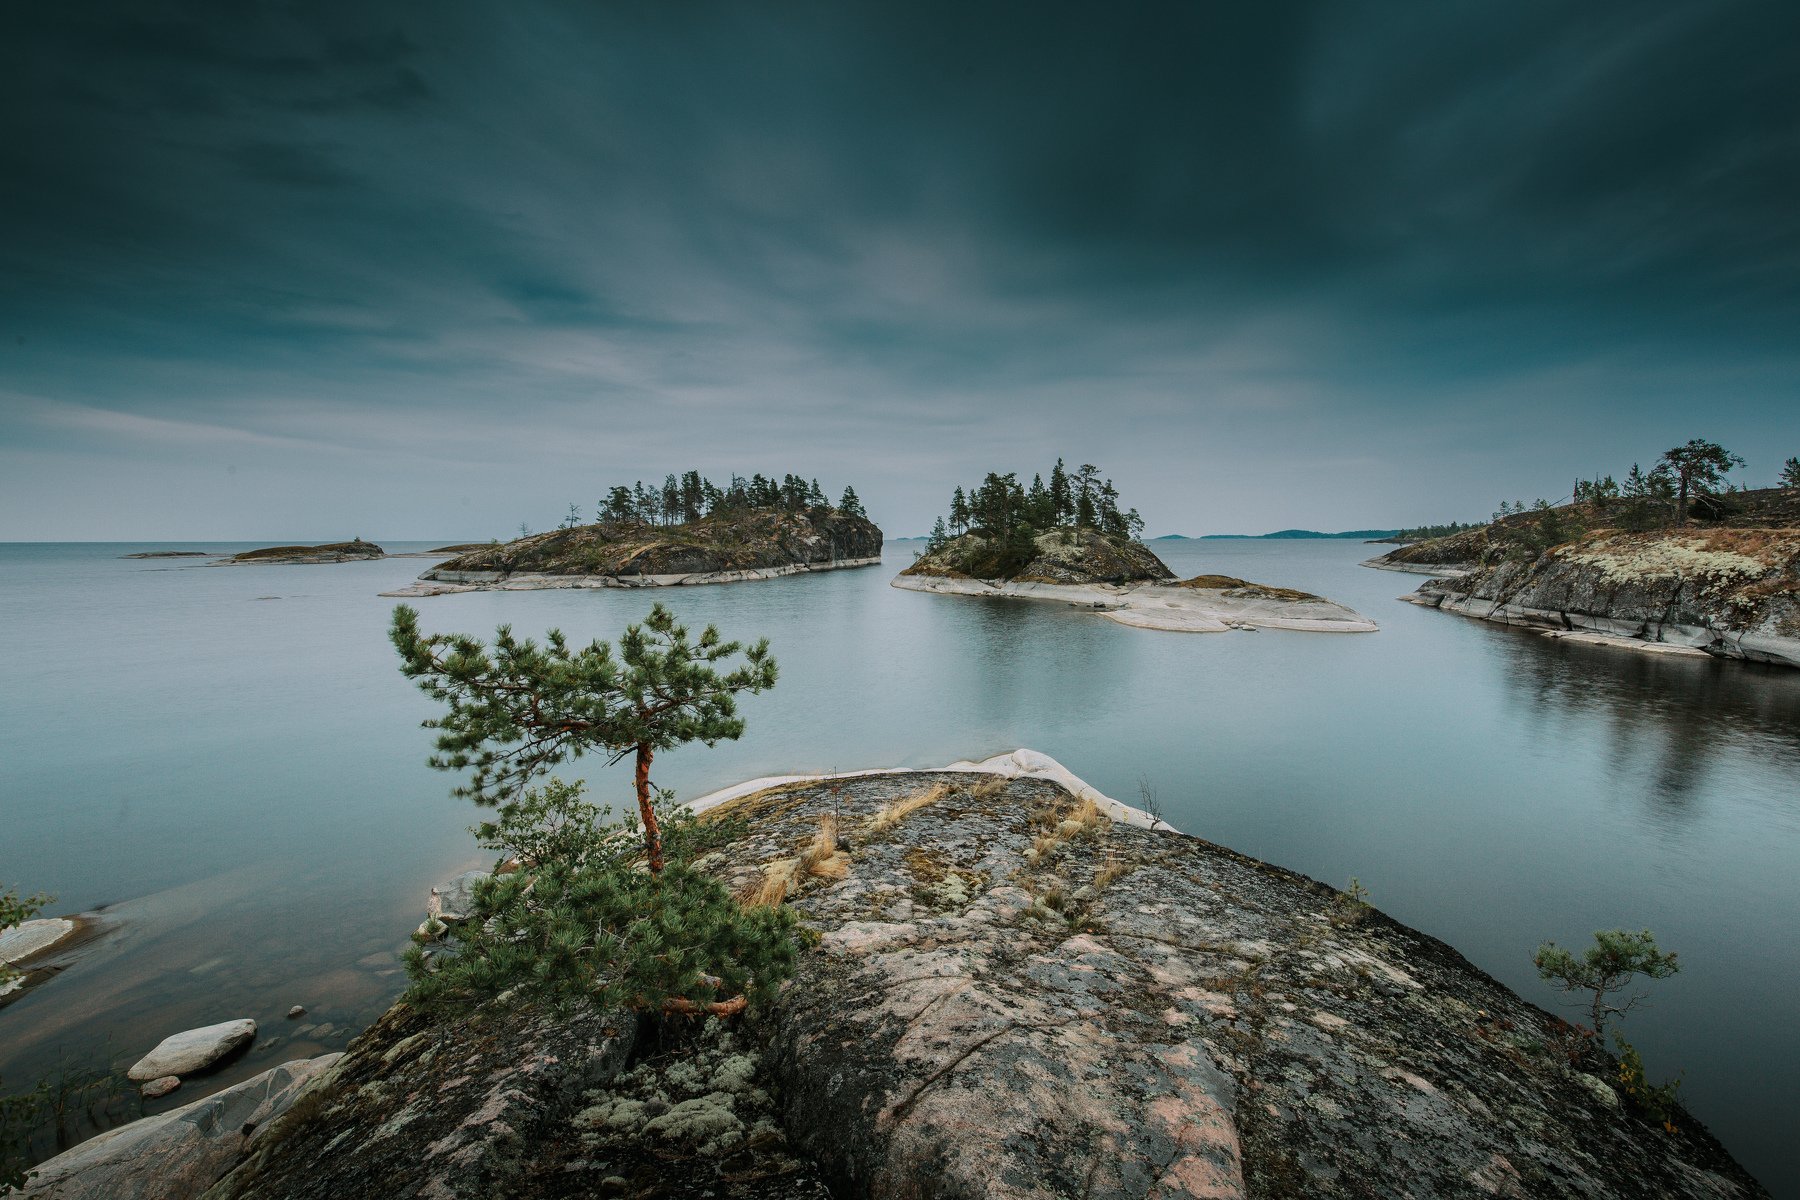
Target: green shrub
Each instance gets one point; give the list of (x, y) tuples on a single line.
[(583, 921)]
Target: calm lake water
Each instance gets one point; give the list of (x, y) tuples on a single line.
[(227, 761)]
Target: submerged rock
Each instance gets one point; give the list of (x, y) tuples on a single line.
[(176, 1155), (192, 1050)]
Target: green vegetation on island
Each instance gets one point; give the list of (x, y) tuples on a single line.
[(1070, 530), (689, 530)]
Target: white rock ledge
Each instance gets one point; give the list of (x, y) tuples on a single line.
[(1162, 606), (1017, 764), (33, 938), (1437, 570), (449, 583)]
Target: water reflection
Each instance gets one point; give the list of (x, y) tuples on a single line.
[(1669, 721)]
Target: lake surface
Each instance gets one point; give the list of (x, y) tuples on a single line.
[(228, 761)]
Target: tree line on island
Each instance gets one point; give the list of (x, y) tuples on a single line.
[(1003, 509), (1689, 481), (690, 496)]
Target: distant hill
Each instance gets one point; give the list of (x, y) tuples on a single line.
[(1362, 534)]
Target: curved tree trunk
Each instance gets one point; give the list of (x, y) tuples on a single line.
[(647, 814)]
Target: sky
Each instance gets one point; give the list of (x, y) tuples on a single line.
[(282, 272)]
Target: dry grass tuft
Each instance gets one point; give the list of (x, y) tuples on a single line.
[(990, 787), (1110, 872), (821, 859), (900, 809), (1081, 817), (777, 878)]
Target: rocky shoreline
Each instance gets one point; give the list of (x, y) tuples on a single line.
[(729, 546), (1175, 608), (1728, 593), (444, 582), (1018, 989)]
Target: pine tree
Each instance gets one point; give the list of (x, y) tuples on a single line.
[(1790, 473), (959, 511), (1697, 466), (1061, 502), (519, 709), (851, 505)]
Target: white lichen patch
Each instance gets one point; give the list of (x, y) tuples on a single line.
[(1664, 558)]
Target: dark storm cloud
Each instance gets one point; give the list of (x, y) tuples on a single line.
[(1271, 263)]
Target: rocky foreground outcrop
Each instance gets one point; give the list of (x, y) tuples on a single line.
[(1125, 582), (726, 547), (1732, 593), (1010, 995)]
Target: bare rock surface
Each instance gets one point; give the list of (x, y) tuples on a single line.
[(1012, 1000), (1183, 607), (32, 938), (192, 1050), (1011, 995), (176, 1155), (509, 1102)]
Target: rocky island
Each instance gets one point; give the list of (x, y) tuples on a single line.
[(756, 529), (1069, 542), (1719, 575), (1016, 988), (355, 550)]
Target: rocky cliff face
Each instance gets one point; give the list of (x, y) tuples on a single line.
[(758, 540), (1731, 592), (1063, 556), (1011, 995)]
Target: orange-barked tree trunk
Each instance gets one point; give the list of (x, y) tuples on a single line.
[(647, 814)]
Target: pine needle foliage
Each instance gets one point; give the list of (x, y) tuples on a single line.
[(609, 934), (1613, 961), (518, 709)]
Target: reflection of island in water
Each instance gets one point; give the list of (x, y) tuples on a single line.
[(1672, 720)]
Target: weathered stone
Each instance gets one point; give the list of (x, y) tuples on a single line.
[(158, 1088), (439, 1108), (453, 901), (33, 937), (175, 1155), (192, 1050), (1203, 1025), (296, 1012)]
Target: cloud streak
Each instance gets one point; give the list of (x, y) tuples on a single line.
[(1296, 264)]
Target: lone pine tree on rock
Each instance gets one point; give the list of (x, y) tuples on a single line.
[(520, 708), (580, 920)]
